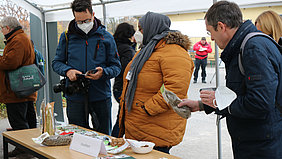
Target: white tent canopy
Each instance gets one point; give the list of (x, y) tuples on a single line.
[(58, 10)]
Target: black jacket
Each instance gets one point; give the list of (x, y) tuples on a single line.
[(126, 53)]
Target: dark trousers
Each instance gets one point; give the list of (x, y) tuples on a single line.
[(203, 64), (115, 131), (102, 109), (21, 115), (163, 149)]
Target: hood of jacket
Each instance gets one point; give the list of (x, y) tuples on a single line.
[(179, 39)]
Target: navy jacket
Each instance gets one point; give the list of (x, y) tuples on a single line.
[(86, 52), (255, 125)]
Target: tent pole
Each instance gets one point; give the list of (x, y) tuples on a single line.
[(218, 123), (46, 58), (104, 15)]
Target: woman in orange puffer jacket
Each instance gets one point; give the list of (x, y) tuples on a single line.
[(144, 114)]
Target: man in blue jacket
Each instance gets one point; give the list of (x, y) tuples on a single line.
[(89, 46), (254, 123)]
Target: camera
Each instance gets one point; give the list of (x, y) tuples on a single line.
[(81, 85)]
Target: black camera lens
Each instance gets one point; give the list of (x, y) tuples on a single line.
[(57, 88), (60, 87)]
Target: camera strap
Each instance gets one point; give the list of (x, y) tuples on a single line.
[(86, 107), (88, 110)]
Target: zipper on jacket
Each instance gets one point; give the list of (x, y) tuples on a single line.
[(96, 49), (86, 42)]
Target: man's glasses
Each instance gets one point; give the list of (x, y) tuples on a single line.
[(83, 21)]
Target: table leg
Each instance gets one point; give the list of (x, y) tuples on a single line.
[(5, 148)]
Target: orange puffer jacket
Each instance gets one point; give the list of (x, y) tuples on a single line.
[(18, 52), (151, 118)]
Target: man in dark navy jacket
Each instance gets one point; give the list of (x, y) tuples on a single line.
[(90, 47), (254, 123)]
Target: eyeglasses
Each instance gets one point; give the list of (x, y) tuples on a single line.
[(83, 21)]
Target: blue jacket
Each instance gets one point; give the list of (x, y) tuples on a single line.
[(86, 52), (255, 125)]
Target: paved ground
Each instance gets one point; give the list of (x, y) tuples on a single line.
[(200, 139)]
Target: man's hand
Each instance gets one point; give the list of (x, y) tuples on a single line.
[(96, 75), (71, 74), (207, 97), (192, 104)]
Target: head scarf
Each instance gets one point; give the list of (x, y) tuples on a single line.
[(155, 27)]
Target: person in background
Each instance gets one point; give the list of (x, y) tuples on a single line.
[(270, 23), (202, 49), (163, 59), (123, 37), (90, 47), (18, 52), (253, 121)]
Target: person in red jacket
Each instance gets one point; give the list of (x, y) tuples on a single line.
[(202, 49)]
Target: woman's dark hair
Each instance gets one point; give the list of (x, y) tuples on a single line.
[(226, 12), (124, 30), (81, 6)]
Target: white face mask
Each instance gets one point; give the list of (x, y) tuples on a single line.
[(85, 27), (138, 37)]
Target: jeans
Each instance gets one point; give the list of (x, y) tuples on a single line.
[(115, 131), (203, 64), (21, 115), (102, 109)]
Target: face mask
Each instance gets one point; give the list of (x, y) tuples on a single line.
[(85, 27), (138, 37)]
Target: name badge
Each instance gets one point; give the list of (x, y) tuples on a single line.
[(88, 145), (128, 76)]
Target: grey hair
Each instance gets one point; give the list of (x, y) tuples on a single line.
[(10, 21), (226, 12)]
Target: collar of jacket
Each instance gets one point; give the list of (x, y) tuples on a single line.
[(9, 36), (73, 28), (233, 47)]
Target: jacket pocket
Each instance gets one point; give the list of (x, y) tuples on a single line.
[(140, 106)]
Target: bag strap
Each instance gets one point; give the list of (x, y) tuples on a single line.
[(67, 42), (249, 36)]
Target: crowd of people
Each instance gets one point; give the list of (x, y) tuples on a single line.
[(86, 48)]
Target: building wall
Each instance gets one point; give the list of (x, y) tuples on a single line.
[(248, 13)]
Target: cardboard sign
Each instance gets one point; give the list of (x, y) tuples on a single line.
[(88, 145)]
